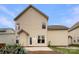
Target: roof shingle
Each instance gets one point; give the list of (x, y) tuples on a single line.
[(74, 26), (57, 27), (30, 6)]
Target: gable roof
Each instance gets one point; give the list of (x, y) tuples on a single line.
[(22, 31), (57, 27), (4, 29), (30, 6), (74, 26)]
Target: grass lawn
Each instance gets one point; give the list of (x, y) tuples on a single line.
[(65, 51)]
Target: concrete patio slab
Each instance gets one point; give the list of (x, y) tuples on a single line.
[(38, 49)]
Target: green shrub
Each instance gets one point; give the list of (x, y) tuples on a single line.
[(12, 49), (74, 45)]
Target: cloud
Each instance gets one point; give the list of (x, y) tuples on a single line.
[(75, 14), (6, 10), (6, 23), (75, 10), (72, 18)]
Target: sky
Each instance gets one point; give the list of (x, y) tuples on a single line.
[(59, 14)]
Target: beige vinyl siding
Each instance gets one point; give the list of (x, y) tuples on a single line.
[(8, 39), (58, 37)]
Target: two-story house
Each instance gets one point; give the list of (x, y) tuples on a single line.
[(31, 27)]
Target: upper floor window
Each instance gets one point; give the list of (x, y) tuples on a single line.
[(43, 26), (17, 37), (18, 26)]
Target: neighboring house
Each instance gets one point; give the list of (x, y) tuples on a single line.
[(7, 36), (32, 30), (74, 34), (58, 35)]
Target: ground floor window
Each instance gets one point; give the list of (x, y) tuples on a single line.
[(17, 41), (77, 40), (74, 41), (41, 39), (30, 40)]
